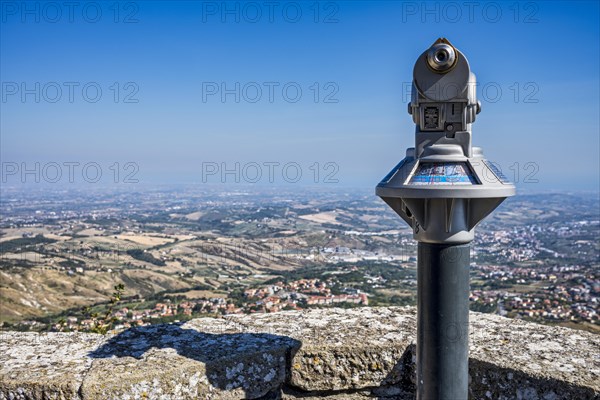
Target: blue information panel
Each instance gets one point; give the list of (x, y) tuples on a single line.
[(447, 173)]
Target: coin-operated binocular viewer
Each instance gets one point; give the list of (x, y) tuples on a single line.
[(443, 188)]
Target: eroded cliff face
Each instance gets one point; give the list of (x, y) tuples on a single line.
[(319, 353)]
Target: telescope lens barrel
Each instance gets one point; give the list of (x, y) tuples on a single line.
[(441, 57)]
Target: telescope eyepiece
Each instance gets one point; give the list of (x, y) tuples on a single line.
[(441, 57)]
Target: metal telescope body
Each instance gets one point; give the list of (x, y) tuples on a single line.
[(443, 188)]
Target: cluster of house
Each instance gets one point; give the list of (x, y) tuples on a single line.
[(299, 293), (126, 317), (294, 295)]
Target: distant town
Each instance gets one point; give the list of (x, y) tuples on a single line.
[(186, 252)]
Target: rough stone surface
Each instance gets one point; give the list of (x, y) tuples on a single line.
[(206, 358), (44, 366), (321, 353), (341, 348), (513, 359)]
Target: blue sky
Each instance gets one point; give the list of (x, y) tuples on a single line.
[(161, 68)]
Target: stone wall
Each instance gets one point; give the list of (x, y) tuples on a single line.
[(321, 353)]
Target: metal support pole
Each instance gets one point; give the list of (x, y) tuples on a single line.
[(443, 322)]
